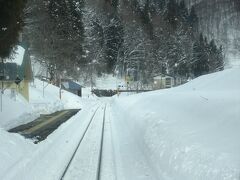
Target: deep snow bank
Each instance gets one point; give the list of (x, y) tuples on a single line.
[(44, 99), (20, 158), (16, 110), (189, 132)]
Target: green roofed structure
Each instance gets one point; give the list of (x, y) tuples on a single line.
[(16, 73)]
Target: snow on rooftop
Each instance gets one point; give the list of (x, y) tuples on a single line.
[(65, 84), (18, 56)]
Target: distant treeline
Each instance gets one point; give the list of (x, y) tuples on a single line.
[(135, 38)]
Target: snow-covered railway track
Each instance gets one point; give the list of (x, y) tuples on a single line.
[(85, 162)]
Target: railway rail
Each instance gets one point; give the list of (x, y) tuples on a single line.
[(86, 160)]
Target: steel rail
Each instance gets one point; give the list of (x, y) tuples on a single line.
[(98, 177), (76, 149)]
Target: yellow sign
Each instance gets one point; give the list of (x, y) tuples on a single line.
[(128, 78)]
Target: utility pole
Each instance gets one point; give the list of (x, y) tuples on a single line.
[(44, 86), (1, 101), (91, 77), (60, 87), (138, 75), (2, 82)]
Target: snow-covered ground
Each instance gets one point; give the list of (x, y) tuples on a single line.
[(20, 157), (109, 82), (16, 110), (184, 133)]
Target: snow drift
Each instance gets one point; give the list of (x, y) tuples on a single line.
[(189, 132)]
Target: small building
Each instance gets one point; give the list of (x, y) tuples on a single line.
[(71, 86), (16, 73), (163, 81)]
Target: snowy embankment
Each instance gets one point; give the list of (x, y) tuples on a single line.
[(16, 110), (189, 132), (20, 158), (48, 159)]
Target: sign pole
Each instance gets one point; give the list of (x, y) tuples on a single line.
[(60, 88), (2, 78), (43, 88), (1, 100)]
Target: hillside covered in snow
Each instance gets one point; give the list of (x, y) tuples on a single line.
[(219, 19)]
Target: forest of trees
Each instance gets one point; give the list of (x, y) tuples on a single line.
[(219, 20), (136, 38)]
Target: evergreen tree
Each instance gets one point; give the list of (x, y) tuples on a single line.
[(172, 14), (215, 57), (200, 62), (147, 37), (146, 18), (76, 10), (193, 20), (183, 11), (220, 59), (115, 3), (11, 23), (161, 4), (112, 34), (113, 43)]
